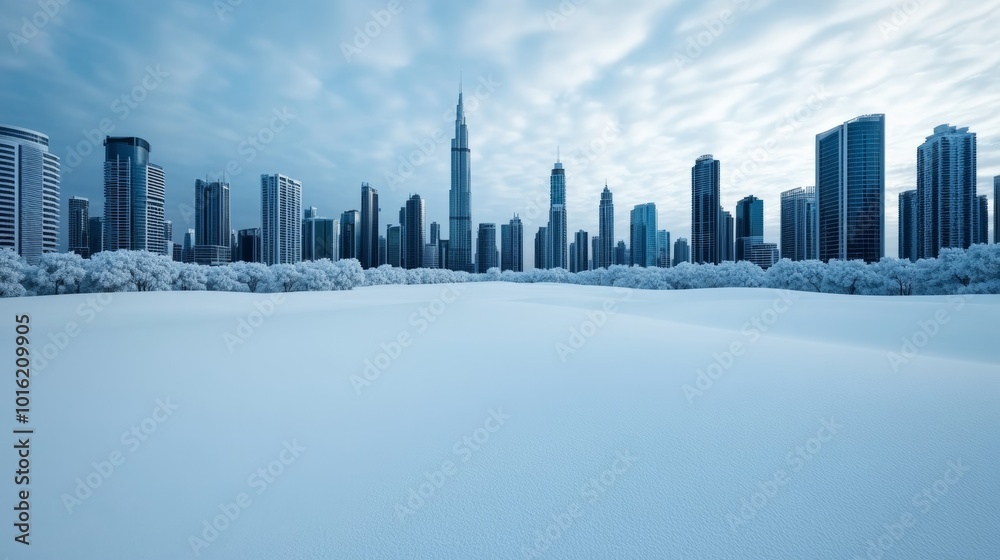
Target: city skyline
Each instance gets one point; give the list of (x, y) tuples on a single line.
[(648, 140)]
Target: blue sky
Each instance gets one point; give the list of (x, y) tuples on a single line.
[(631, 95)]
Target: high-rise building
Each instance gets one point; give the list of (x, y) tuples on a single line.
[(557, 218), (187, 250), (908, 225), (705, 227), (982, 220), (368, 252), (168, 230), (682, 252), (248, 241), (134, 191), (486, 248), (318, 238), (541, 247), (460, 196), (78, 234), (29, 193), (850, 190), (435, 232), (430, 256), (749, 225), (604, 256), (512, 245), (350, 234), (211, 222), (96, 232), (443, 254), (996, 209), (414, 237), (946, 191), (726, 231), (281, 227), (383, 250), (621, 254), (581, 251), (595, 247), (662, 248), (642, 240), (393, 245), (798, 224)]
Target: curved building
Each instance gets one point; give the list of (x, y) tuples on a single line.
[(29, 193), (134, 191)]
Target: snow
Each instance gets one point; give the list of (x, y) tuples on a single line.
[(612, 449)]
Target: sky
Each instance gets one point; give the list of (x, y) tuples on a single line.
[(339, 94)]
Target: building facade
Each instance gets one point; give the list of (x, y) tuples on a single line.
[(798, 224), (414, 238), (486, 248), (946, 191), (29, 193), (281, 226), (460, 196), (134, 191), (368, 250), (558, 232), (78, 234), (908, 225), (642, 235)]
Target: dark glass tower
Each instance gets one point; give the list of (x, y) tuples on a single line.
[(705, 226), (850, 190), (368, 253), (460, 196), (604, 257)]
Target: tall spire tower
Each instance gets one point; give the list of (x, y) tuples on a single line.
[(460, 195)]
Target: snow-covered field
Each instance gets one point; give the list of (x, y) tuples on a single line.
[(503, 420)]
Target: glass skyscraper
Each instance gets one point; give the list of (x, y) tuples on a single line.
[(78, 234), (705, 226), (604, 257), (486, 248), (414, 236), (460, 196), (134, 191), (512, 245), (946, 191), (350, 234), (850, 190), (682, 251), (96, 231), (908, 225), (368, 252), (211, 222), (798, 224), (749, 225), (558, 252), (642, 238)]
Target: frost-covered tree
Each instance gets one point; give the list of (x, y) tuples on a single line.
[(190, 278), (284, 278), (850, 277), (347, 274), (56, 273), (12, 268), (130, 271), (255, 276), (224, 279), (898, 275)]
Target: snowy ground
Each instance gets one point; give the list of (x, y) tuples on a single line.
[(704, 424)]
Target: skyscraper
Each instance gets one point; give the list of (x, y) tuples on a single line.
[(908, 225), (96, 232), (317, 237), (414, 238), (211, 222), (78, 234), (168, 230), (383, 250), (983, 220), (996, 209), (705, 227), (541, 247), (281, 227), (394, 247), (187, 251), (621, 254), (581, 251), (29, 193), (595, 248), (850, 190), (512, 245), (557, 218), (663, 248), (460, 196), (368, 252), (946, 191), (248, 241), (134, 191), (682, 252), (726, 230), (435, 232), (604, 257), (798, 224), (642, 238), (350, 234), (486, 248), (749, 225)]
